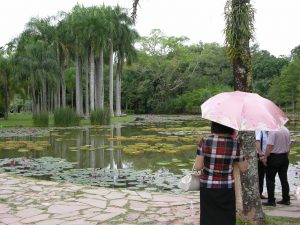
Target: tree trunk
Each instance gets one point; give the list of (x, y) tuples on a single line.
[(92, 80), (44, 96), (54, 100), (252, 208), (58, 97), (97, 92), (63, 86), (6, 96), (34, 106), (87, 105), (78, 85), (240, 13), (118, 87), (111, 81), (72, 98), (101, 80)]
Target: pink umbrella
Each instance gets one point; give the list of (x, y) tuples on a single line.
[(243, 111)]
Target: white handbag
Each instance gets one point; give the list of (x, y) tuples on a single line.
[(190, 182)]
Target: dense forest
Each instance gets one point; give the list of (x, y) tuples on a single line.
[(80, 59)]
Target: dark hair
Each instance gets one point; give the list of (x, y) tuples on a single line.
[(221, 129)]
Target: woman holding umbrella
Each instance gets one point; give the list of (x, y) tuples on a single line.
[(216, 155)]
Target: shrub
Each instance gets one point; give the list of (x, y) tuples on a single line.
[(66, 117), (41, 119), (100, 117)]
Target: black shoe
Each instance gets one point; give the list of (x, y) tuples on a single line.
[(263, 197), (269, 203), (282, 202)]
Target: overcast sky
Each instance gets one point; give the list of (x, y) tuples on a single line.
[(276, 21)]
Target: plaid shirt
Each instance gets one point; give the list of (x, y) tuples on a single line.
[(219, 154)]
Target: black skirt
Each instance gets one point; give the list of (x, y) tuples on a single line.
[(217, 206)]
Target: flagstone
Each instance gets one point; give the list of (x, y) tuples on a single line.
[(36, 188), (99, 191), (103, 217), (132, 216), (138, 206), (93, 202), (66, 215), (29, 212), (11, 182), (62, 209), (91, 196), (283, 213), (118, 202), (145, 195), (10, 220), (129, 192), (36, 218), (115, 210), (115, 195), (169, 198), (5, 192), (50, 222), (137, 198), (3, 209), (158, 204), (47, 183), (79, 222)]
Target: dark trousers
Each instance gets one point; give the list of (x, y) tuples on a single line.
[(261, 176), (217, 206), (277, 163)]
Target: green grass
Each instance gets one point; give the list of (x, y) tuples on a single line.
[(25, 120), (275, 220)]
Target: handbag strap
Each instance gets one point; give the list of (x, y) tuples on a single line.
[(197, 171)]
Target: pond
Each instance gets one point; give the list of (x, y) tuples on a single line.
[(152, 153)]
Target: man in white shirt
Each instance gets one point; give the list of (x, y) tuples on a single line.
[(277, 161), (261, 146)]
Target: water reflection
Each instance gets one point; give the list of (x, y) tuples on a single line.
[(99, 148)]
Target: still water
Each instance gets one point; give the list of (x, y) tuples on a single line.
[(151, 153)]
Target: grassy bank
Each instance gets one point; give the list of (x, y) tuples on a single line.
[(276, 220), (25, 120)]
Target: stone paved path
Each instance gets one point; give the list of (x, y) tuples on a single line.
[(27, 201)]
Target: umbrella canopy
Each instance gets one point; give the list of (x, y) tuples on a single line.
[(243, 111)]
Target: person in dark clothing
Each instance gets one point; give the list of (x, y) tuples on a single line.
[(261, 146), (277, 161)]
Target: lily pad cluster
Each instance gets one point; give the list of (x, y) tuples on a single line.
[(58, 169), (24, 146), (44, 167)]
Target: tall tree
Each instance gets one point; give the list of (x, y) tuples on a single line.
[(5, 71), (125, 50), (239, 16)]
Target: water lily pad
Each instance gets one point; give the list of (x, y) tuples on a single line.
[(163, 163)]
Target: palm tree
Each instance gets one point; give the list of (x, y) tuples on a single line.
[(125, 50), (77, 24), (239, 16), (112, 19)]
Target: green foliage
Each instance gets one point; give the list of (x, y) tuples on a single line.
[(285, 90), (239, 29), (100, 117), (66, 117), (191, 101), (41, 119), (265, 68), (167, 69)]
